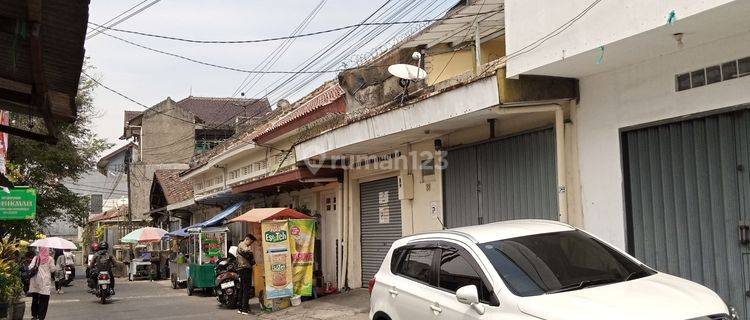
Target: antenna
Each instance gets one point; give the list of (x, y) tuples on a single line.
[(408, 73)]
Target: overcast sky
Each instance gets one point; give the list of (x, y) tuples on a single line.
[(150, 77)]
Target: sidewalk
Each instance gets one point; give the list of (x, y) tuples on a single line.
[(353, 305)]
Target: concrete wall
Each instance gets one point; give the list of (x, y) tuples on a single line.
[(442, 65), (608, 21), (167, 134), (636, 95), (142, 176)]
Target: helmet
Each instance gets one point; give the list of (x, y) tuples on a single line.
[(94, 247), (104, 246)]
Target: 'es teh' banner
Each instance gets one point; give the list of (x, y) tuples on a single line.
[(277, 259), (303, 247)]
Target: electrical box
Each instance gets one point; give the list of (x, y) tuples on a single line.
[(406, 187)]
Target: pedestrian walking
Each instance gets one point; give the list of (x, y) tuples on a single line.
[(245, 262), (40, 284), (60, 273)]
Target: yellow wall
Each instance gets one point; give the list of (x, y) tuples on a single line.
[(460, 61)]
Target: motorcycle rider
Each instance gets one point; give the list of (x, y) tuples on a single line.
[(102, 261)]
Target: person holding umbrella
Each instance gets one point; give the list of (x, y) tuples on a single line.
[(40, 269), (41, 282)]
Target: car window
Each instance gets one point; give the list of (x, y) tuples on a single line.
[(456, 272), (417, 264), (560, 261)]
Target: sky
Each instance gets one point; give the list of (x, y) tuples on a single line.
[(149, 77)]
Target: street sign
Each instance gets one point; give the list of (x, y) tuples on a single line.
[(18, 204)]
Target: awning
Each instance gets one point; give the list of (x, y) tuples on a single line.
[(261, 214), (182, 233), (215, 221), (293, 179), (218, 219), (221, 197)]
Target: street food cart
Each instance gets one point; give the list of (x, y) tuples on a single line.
[(178, 260), (206, 246), (140, 267), (284, 268)]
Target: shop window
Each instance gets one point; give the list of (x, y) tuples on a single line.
[(683, 81), (744, 66), (729, 70), (698, 78), (713, 74)]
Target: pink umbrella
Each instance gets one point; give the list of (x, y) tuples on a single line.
[(144, 235), (54, 243)]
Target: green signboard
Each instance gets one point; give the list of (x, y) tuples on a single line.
[(18, 204)]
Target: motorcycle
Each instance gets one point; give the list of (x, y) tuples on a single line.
[(103, 289), (227, 280), (70, 274)]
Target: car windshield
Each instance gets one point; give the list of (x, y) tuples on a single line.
[(556, 262)]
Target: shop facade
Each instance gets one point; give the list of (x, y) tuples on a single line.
[(662, 132)]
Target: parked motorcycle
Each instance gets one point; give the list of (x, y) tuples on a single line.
[(103, 289), (227, 280), (70, 274)]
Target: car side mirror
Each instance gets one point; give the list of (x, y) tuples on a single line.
[(470, 295)]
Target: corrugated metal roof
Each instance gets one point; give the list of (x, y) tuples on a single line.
[(490, 18), (223, 111)]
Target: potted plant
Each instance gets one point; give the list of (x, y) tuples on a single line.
[(11, 287)]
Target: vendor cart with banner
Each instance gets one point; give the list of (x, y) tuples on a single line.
[(206, 247), (284, 268)]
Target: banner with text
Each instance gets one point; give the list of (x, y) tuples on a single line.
[(303, 253), (277, 260)]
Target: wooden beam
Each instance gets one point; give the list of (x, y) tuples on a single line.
[(28, 134)]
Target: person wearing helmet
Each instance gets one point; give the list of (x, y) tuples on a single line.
[(102, 261)]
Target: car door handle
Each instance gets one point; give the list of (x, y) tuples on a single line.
[(436, 308), (393, 292)]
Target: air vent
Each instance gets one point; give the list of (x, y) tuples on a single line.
[(713, 74)]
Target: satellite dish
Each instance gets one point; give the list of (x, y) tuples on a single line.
[(407, 71)]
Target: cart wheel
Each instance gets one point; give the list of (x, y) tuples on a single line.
[(189, 287)]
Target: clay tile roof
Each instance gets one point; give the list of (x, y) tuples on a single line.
[(320, 97), (218, 111), (174, 189), (120, 211)]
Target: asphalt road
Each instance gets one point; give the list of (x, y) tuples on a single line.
[(134, 300)]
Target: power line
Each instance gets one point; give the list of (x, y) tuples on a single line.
[(117, 16), (131, 99), (309, 63), (351, 26), (124, 18)]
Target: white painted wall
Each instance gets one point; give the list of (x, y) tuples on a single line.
[(607, 22), (639, 94)]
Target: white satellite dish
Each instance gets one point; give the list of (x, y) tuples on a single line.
[(407, 71)]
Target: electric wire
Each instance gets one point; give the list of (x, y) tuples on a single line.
[(123, 19), (304, 35), (92, 30)]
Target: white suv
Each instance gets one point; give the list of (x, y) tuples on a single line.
[(529, 269)]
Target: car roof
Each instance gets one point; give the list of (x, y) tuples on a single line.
[(497, 230)]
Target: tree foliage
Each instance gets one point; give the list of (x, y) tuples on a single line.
[(43, 166)]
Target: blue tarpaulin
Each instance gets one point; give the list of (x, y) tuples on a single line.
[(215, 221)]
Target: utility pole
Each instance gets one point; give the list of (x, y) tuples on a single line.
[(129, 225)]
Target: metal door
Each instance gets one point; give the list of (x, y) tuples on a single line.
[(685, 185), (512, 178), (380, 222)]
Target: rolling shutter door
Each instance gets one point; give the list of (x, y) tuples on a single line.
[(380, 220), (512, 178)]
